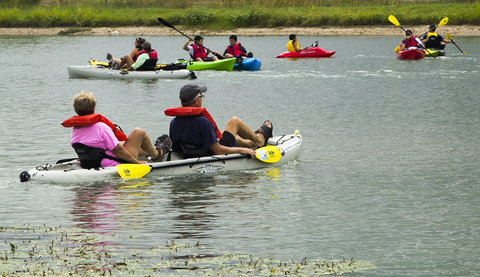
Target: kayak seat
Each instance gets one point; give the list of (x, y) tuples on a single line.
[(148, 65), (190, 150), (91, 157)]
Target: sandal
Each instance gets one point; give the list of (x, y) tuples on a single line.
[(163, 144), (266, 131)]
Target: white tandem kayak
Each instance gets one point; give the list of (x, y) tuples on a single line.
[(71, 172), (101, 72)]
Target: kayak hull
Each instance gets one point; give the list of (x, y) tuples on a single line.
[(411, 54), (71, 172), (101, 72), (434, 52), (220, 65), (314, 52), (248, 64)]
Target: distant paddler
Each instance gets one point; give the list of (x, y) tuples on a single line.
[(114, 63), (411, 42), (434, 40), (294, 46), (197, 51), (144, 60)]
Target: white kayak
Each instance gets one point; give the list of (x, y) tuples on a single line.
[(70, 171), (101, 72)]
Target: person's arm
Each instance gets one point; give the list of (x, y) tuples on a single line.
[(244, 51), (219, 149), (297, 47), (122, 153), (134, 53), (186, 46), (442, 39), (419, 42), (140, 61)]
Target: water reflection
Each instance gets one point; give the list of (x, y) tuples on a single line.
[(98, 206), (197, 203), (185, 207)]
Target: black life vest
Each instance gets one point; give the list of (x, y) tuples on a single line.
[(433, 41)]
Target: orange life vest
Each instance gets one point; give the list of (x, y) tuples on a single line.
[(194, 111), (90, 119)]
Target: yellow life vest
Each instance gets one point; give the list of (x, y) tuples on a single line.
[(290, 46)]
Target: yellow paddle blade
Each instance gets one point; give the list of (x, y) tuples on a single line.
[(443, 21), (132, 171), (394, 20), (95, 62), (448, 36), (268, 154), (396, 49)]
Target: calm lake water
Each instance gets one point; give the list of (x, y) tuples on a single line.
[(388, 172)]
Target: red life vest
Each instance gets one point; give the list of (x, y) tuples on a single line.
[(198, 51), (411, 42), (90, 119), (152, 54), (193, 111), (234, 50)]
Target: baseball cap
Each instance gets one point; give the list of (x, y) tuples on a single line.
[(189, 91)]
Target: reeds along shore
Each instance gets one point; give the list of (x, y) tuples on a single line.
[(229, 14)]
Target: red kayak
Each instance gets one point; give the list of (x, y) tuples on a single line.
[(411, 54), (314, 52)]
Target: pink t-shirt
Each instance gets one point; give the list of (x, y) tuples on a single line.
[(98, 135)]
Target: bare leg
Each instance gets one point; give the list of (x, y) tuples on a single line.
[(139, 144), (245, 137), (126, 62)]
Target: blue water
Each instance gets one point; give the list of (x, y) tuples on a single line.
[(388, 171)]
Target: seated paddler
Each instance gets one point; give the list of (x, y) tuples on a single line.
[(100, 143), (146, 59), (293, 45), (194, 133)]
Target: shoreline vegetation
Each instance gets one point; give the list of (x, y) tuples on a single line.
[(243, 17)]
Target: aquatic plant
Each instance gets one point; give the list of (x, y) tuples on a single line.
[(42, 250)]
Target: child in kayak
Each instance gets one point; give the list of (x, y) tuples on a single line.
[(198, 52), (411, 42), (235, 49), (292, 45)]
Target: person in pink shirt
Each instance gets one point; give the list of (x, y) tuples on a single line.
[(97, 145)]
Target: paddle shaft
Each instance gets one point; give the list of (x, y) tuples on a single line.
[(164, 22), (458, 47)]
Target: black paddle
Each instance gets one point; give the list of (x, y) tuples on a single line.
[(164, 22)]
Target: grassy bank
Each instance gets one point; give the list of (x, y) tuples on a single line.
[(226, 15)]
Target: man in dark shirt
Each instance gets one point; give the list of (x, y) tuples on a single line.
[(196, 134)]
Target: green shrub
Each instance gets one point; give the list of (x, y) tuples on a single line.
[(250, 18)]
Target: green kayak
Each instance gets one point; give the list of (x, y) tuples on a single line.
[(221, 65)]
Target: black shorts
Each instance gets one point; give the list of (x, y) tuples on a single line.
[(228, 139), (207, 59)]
